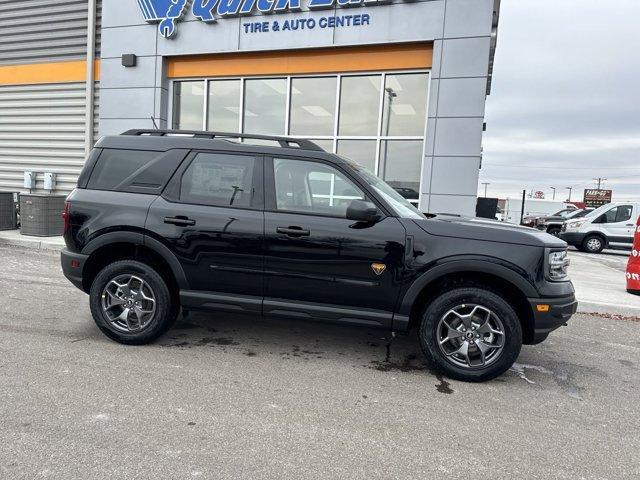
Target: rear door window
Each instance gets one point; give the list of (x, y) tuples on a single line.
[(219, 180), (114, 166)]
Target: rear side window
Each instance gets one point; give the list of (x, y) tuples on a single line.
[(219, 180), (115, 166)]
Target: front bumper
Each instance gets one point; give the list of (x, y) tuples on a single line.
[(573, 238), (551, 313), (73, 266)]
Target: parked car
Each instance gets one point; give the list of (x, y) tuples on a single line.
[(609, 226), (553, 223), (162, 221), (534, 220)]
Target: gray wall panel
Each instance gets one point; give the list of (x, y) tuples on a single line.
[(42, 130), (34, 31)]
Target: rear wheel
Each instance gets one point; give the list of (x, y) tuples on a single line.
[(131, 303), (471, 334), (593, 244)]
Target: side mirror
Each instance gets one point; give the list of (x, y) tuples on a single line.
[(361, 211)]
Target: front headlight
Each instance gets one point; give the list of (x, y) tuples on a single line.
[(558, 265)]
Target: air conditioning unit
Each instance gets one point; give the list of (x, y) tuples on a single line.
[(7, 211), (41, 215)]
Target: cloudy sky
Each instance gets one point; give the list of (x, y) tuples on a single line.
[(565, 102)]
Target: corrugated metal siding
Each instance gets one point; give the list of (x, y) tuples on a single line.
[(42, 130), (34, 31)]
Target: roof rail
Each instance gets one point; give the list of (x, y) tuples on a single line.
[(283, 141)]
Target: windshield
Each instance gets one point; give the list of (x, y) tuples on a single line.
[(401, 206), (598, 211)]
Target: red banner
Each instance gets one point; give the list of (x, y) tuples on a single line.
[(633, 266)]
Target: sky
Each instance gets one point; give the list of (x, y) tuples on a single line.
[(565, 101)]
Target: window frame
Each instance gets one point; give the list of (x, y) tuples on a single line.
[(270, 201), (173, 189)]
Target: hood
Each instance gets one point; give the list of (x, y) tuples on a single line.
[(487, 230)]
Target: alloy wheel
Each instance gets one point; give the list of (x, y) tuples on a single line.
[(471, 336), (129, 303)]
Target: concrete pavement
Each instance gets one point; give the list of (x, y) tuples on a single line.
[(236, 397)]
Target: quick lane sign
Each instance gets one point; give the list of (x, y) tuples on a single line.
[(168, 12)]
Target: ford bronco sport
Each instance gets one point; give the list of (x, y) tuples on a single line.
[(163, 221)]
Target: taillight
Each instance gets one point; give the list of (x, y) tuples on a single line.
[(66, 217)]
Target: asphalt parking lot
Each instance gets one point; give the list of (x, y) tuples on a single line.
[(235, 397)]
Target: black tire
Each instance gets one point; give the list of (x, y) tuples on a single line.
[(166, 308), (429, 341), (593, 244), (555, 231)]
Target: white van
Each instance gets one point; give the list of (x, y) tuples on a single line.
[(610, 226)]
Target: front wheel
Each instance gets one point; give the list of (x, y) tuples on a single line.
[(555, 231), (131, 303), (471, 334), (593, 244)]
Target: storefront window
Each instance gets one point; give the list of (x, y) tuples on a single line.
[(326, 145), (224, 106), (400, 165), (363, 152), (265, 103), (360, 105), (405, 103), (313, 106), (379, 122), (188, 105)]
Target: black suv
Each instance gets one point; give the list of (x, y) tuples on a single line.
[(164, 220)]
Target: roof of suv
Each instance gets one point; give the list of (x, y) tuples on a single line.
[(164, 140)]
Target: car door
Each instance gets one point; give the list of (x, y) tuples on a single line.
[(319, 264), (211, 217), (617, 225)]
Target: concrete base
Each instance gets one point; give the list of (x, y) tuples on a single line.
[(14, 238)]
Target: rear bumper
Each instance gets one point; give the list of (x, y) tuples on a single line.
[(73, 266), (573, 238), (558, 313)]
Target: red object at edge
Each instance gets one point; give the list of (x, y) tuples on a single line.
[(633, 265)]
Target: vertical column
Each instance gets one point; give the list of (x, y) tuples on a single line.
[(456, 108)]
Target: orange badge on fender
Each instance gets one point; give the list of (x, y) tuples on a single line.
[(378, 268)]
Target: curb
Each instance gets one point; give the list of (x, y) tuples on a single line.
[(31, 244)]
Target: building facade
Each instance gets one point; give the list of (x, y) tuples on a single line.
[(398, 86)]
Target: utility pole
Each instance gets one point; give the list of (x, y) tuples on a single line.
[(554, 192), (599, 180), (570, 189), (486, 184)]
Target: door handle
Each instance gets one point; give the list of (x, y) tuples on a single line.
[(630, 225), (293, 231), (180, 221)]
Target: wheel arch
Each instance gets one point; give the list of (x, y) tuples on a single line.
[(476, 273), (114, 246)]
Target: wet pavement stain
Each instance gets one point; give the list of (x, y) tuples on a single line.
[(443, 386), (250, 353), (406, 366), (224, 341), (627, 363)]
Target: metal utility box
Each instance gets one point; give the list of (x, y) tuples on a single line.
[(7, 211), (41, 215)]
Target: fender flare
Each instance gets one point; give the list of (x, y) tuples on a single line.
[(139, 239), (461, 266)]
